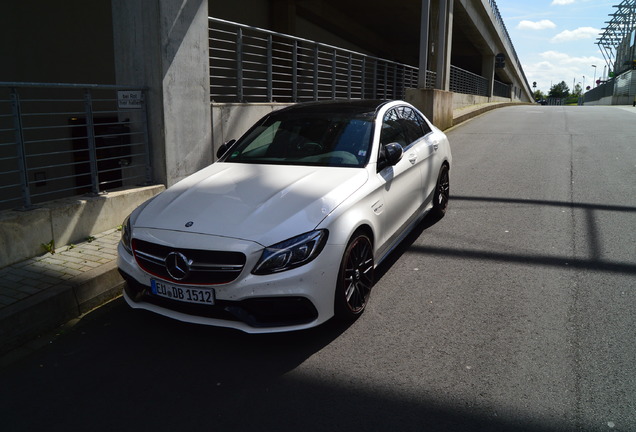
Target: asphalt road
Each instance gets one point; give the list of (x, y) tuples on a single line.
[(513, 313)]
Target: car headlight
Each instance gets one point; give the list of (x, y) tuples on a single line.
[(126, 235), (291, 253)]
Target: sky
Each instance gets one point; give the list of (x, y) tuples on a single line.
[(555, 39)]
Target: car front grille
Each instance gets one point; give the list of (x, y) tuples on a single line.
[(205, 267)]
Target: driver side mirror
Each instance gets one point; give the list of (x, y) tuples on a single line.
[(390, 155), (224, 148)]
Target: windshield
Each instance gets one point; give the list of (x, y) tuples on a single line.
[(309, 139)]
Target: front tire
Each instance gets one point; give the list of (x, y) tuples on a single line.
[(355, 278)]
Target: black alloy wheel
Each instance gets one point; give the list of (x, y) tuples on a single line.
[(442, 193), (355, 278)]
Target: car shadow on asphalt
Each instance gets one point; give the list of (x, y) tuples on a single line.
[(118, 366), (122, 369)]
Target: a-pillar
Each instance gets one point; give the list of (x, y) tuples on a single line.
[(163, 45)]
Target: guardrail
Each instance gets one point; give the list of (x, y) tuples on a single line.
[(249, 64), (463, 81), (62, 140), (502, 89)]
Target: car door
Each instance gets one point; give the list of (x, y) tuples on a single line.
[(402, 182), (426, 143)]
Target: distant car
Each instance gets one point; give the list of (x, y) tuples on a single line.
[(286, 229)]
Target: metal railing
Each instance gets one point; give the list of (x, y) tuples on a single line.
[(62, 140), (249, 64), (463, 81), (501, 89)]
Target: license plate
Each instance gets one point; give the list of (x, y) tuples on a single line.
[(183, 294)]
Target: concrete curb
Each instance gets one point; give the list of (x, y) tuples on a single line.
[(462, 117), (53, 307)]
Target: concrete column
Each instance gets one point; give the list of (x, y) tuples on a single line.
[(488, 71), (424, 28), (445, 43), (163, 45)]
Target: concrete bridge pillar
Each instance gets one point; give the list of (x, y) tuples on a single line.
[(488, 72), (163, 45), (444, 44), (436, 33)]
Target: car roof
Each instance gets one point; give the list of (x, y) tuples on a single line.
[(350, 107)]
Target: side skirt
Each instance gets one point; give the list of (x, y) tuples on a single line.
[(406, 229)]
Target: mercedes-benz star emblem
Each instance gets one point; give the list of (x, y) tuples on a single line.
[(178, 265)]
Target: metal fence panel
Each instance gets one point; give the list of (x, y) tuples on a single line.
[(62, 140), (249, 64), (501, 89), (462, 81)]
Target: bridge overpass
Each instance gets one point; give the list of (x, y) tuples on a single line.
[(431, 47)]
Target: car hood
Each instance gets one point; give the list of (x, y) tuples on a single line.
[(261, 203)]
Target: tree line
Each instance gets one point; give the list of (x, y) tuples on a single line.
[(560, 91)]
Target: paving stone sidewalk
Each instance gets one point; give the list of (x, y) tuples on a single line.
[(40, 293)]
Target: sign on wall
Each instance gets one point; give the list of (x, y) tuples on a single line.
[(130, 99)]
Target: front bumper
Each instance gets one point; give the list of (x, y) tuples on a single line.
[(292, 300), (258, 312)]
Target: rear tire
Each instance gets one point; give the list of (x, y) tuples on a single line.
[(442, 193), (355, 278)]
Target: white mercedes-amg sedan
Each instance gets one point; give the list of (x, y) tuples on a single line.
[(285, 230)]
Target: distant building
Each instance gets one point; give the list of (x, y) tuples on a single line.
[(617, 85)]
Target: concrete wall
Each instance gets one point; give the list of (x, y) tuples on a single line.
[(436, 105), (608, 100), (65, 221), (461, 100), (68, 41)]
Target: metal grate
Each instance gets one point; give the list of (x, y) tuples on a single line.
[(249, 64), (501, 89), (462, 81), (61, 140)]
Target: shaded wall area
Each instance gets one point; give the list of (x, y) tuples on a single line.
[(68, 41)]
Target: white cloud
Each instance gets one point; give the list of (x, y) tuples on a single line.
[(561, 2), (536, 25), (566, 59), (579, 33), (554, 67)]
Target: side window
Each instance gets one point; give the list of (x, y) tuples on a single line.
[(393, 130), (414, 125), (425, 127)]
